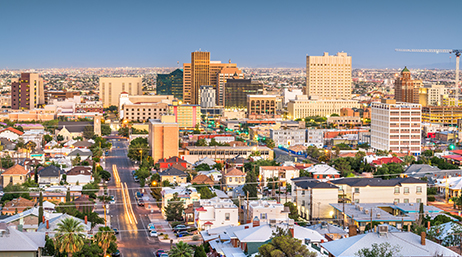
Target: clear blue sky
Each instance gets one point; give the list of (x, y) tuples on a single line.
[(252, 33)]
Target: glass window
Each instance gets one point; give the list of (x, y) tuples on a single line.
[(406, 200), (230, 179), (227, 216), (396, 201), (418, 200), (406, 190), (396, 190), (263, 216), (357, 190), (419, 189)]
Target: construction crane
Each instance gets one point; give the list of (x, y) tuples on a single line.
[(457, 52)]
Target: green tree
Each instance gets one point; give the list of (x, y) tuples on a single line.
[(60, 138), (88, 132), (40, 214), (138, 146), (379, 250), (342, 165), (250, 184), (201, 142), (104, 238), (7, 162), (69, 237), (408, 159), (105, 130), (124, 132), (174, 209), (206, 193), (270, 143), (181, 249), (284, 246), (47, 138), (68, 196), (293, 210), (203, 166), (76, 161), (142, 173), (200, 252), (218, 166)]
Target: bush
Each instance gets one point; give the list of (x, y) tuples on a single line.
[(195, 238), (176, 223), (430, 198), (166, 236)]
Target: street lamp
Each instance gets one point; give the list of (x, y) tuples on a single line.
[(154, 183), (141, 159)]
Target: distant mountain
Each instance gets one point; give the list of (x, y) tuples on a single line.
[(282, 65)]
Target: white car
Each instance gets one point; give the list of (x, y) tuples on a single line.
[(153, 233)]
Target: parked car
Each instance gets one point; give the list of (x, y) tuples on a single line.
[(140, 202), (153, 233), (164, 255), (151, 226), (116, 253), (159, 252), (112, 199), (183, 234), (179, 228), (136, 179), (116, 231)]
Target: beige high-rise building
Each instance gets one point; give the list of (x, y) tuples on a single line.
[(328, 76), (200, 72), (111, 88), (163, 138), (302, 107)]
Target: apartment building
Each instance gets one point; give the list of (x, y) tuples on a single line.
[(216, 212), (222, 77), (406, 88), (163, 138), (266, 210), (262, 106), (188, 196), (313, 198), (144, 112), (207, 96), (283, 174), (290, 94), (27, 92), (226, 152), (288, 137), (315, 137), (110, 89), (396, 126), (376, 190), (302, 107), (188, 116), (446, 115), (60, 95), (329, 76), (344, 121), (170, 84)]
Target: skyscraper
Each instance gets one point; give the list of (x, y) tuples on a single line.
[(406, 88), (236, 91), (328, 76), (170, 84), (200, 72), (27, 92)]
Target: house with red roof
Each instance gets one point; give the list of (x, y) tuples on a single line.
[(11, 134), (386, 160)]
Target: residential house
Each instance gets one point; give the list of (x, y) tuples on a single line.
[(188, 195), (409, 244), (174, 176), (421, 170), (80, 175), (170, 162), (18, 243), (376, 190), (28, 219), (11, 134), (7, 144), (386, 160), (51, 196), (215, 175), (265, 210), (282, 173), (216, 212), (83, 203), (84, 154), (17, 205), (14, 175), (202, 180), (50, 175), (206, 160), (72, 129), (82, 144), (50, 225), (233, 178), (324, 172), (313, 198), (329, 231)]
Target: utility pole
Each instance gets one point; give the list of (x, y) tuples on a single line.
[(371, 221), (248, 210), (239, 209)]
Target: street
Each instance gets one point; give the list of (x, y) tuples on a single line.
[(133, 239)]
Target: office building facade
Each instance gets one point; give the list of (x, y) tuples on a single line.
[(170, 84), (60, 95), (222, 77), (396, 126), (237, 90), (262, 106), (207, 96), (144, 111), (163, 138), (27, 92), (406, 88), (328, 76), (303, 107), (445, 115), (110, 89), (188, 116)]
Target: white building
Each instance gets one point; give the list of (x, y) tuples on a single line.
[(315, 137), (396, 127), (288, 137), (323, 172), (290, 94), (266, 210), (283, 173), (207, 96), (215, 213)]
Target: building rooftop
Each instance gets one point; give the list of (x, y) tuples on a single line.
[(306, 182), (16, 170), (378, 182)]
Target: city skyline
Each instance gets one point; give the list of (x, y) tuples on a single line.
[(253, 34)]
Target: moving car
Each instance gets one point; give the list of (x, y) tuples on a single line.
[(116, 253), (136, 179), (112, 199), (116, 231), (164, 255)]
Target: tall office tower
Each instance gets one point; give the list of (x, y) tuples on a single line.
[(163, 138), (236, 91), (328, 76), (223, 76), (27, 92), (208, 97), (111, 88), (200, 72), (170, 84), (406, 88), (396, 126)]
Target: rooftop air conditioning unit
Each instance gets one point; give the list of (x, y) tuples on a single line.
[(383, 229), (366, 211), (272, 222), (378, 215)]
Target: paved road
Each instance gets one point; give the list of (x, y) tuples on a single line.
[(133, 239)]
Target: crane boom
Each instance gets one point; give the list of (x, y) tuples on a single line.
[(425, 50)]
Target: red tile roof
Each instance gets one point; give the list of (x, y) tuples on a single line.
[(387, 160), (16, 170), (208, 223), (201, 209), (13, 130), (234, 172)]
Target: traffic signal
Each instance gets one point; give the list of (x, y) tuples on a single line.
[(452, 147)]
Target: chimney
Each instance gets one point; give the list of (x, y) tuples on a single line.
[(176, 159), (422, 238), (428, 225), (256, 222), (43, 219), (86, 220), (352, 230), (165, 159), (48, 224), (291, 231)]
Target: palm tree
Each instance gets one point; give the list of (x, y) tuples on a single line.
[(181, 249), (69, 237), (104, 238)]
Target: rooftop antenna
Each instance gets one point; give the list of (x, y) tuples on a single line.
[(178, 64)]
